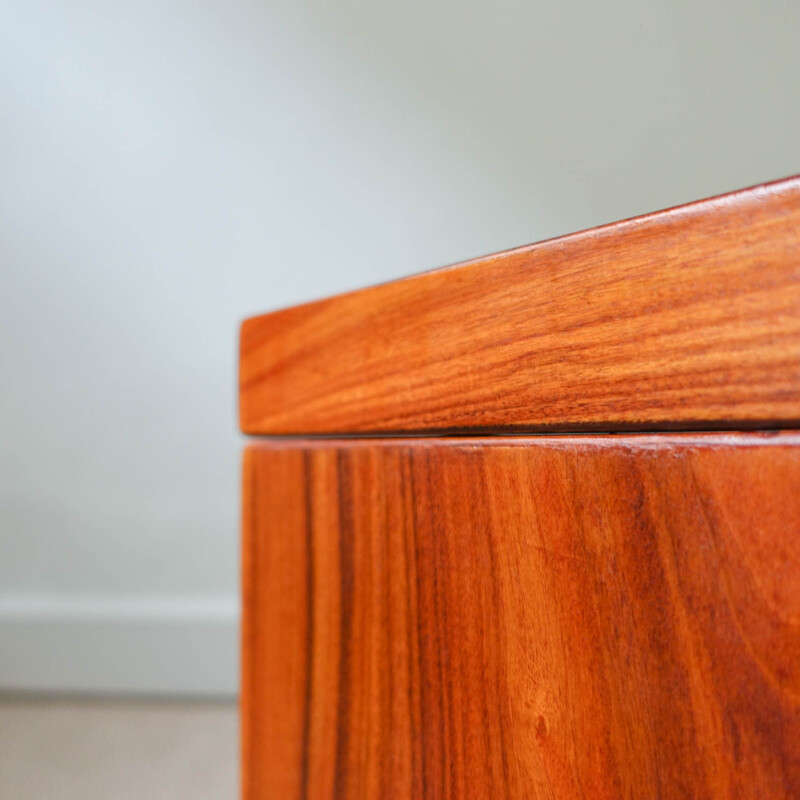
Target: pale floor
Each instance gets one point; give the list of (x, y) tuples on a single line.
[(120, 749)]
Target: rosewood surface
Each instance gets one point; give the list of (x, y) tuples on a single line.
[(684, 319), (541, 617)]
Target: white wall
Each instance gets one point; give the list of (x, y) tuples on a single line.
[(167, 168)]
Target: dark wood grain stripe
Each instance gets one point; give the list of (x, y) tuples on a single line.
[(308, 486), (347, 582)]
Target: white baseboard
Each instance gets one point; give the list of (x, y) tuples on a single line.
[(102, 645)]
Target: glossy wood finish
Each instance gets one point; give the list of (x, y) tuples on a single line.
[(544, 617), (689, 318)]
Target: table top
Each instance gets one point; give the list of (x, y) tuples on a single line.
[(683, 319)]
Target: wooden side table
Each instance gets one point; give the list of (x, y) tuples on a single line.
[(530, 526)]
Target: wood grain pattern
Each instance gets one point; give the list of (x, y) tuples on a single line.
[(689, 318), (541, 617)]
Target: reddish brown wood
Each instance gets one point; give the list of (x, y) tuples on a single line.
[(689, 318), (554, 617)]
